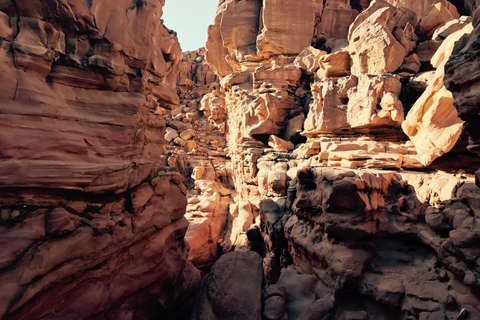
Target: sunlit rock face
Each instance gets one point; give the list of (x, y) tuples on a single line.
[(92, 223), (348, 157)]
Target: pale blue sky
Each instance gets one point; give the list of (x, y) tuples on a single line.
[(190, 19)]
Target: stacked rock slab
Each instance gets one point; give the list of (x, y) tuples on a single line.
[(378, 236), (92, 223)]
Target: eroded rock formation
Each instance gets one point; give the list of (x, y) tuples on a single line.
[(336, 139), (336, 127), (92, 223)]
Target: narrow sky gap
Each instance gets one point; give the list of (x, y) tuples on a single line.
[(190, 19)]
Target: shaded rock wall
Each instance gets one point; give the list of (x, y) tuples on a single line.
[(92, 223), (461, 79), (387, 239)]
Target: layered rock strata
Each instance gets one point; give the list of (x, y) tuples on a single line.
[(357, 86), (92, 223)]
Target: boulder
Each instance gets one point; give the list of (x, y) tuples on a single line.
[(440, 12), (333, 65), (287, 28), (354, 102), (373, 48), (308, 59), (232, 290), (294, 127), (279, 144), (426, 49)]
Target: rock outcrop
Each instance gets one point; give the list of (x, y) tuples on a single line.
[(232, 290), (335, 139), (461, 79), (92, 222), (335, 128)]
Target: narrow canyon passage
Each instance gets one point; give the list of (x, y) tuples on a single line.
[(317, 159)]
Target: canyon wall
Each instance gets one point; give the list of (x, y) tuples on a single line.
[(351, 165), (336, 139), (92, 221)]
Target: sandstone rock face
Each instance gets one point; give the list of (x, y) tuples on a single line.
[(354, 102), (373, 47), (92, 224), (287, 28), (233, 289), (461, 79), (98, 256), (86, 90), (349, 223), (331, 220), (195, 68), (433, 124), (198, 151), (439, 13), (286, 132)]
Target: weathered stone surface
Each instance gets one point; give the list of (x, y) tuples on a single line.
[(334, 65), (411, 64), (357, 243), (450, 26), (280, 144), (439, 13), (83, 255), (461, 78), (239, 26), (207, 212), (426, 50), (432, 124), (215, 52), (233, 288), (103, 164), (294, 128), (336, 17), (354, 102), (87, 232), (421, 81), (194, 70), (373, 48), (308, 59), (419, 7), (287, 28)]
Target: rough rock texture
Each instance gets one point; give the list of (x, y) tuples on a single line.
[(287, 134), (92, 224), (232, 290), (433, 124), (461, 78), (196, 145), (346, 233), (98, 256), (361, 220)]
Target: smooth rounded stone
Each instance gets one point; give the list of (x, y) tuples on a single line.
[(274, 308), (436, 219), (275, 290), (464, 238), (232, 290), (319, 309)]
